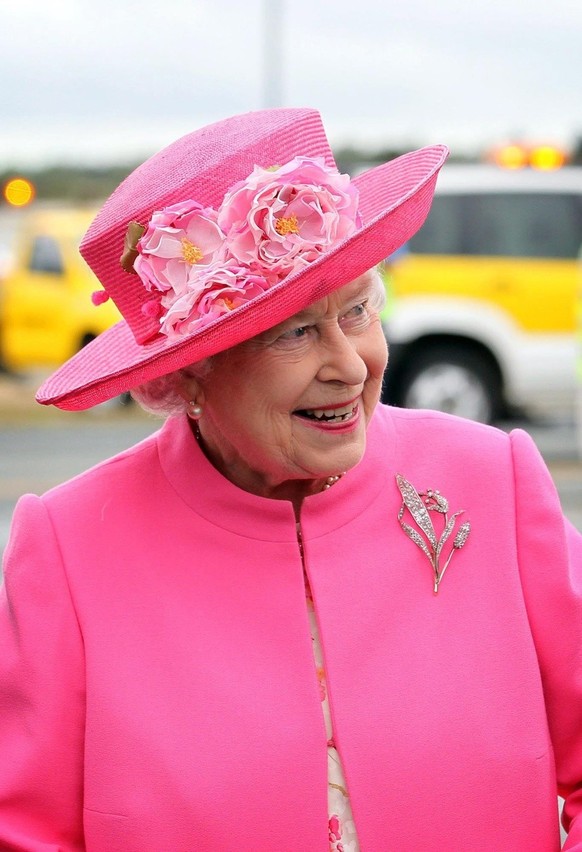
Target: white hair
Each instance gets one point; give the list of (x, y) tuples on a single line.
[(162, 396), (377, 300)]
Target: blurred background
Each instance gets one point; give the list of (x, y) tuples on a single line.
[(484, 304)]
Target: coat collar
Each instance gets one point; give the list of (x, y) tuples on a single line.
[(225, 505)]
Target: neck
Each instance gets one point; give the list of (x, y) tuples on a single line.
[(293, 490)]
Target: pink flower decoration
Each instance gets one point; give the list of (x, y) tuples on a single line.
[(201, 264), (218, 290), (178, 242), (280, 220)]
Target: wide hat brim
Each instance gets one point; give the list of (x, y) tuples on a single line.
[(394, 201)]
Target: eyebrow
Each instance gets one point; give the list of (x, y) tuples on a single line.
[(362, 292), (309, 314), (302, 316)]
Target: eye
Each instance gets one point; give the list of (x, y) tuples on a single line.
[(295, 333), (358, 311)]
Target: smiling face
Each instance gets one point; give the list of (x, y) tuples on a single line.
[(290, 407)]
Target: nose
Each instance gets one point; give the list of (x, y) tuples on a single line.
[(340, 359)]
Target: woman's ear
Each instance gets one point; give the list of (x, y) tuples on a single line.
[(192, 392)]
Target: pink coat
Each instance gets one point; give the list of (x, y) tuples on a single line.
[(157, 683)]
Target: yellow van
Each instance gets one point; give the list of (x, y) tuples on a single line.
[(482, 308), (46, 312)]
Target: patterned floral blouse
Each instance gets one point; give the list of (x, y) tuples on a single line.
[(342, 830)]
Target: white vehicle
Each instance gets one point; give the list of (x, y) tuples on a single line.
[(482, 302)]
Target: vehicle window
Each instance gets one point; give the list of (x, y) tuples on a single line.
[(503, 224), (523, 225), (442, 233), (46, 256)]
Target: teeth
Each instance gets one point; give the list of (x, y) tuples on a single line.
[(330, 413)]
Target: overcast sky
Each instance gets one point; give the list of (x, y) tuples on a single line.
[(115, 80)]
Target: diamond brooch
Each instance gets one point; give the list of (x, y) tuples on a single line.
[(420, 505)]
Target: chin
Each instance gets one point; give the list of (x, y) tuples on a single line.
[(346, 460)]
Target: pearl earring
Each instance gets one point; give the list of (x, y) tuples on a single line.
[(195, 410)]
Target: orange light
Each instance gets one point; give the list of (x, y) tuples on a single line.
[(19, 192), (511, 157), (546, 157)]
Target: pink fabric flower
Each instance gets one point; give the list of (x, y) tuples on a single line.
[(216, 291), (179, 241), (279, 220), (203, 263)]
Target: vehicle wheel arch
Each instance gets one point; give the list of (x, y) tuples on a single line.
[(406, 354)]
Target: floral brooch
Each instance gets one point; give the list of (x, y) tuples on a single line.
[(420, 505)]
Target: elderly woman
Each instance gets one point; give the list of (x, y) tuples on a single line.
[(292, 619)]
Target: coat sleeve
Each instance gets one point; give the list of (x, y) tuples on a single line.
[(42, 701), (550, 554)]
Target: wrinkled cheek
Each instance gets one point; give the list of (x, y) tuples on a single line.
[(383, 360), (377, 356), (376, 367), (372, 397)]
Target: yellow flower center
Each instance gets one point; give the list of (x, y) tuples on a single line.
[(286, 226), (190, 252), (228, 304)]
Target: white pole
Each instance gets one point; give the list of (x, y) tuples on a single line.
[(272, 53)]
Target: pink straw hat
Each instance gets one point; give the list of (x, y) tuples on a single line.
[(241, 225)]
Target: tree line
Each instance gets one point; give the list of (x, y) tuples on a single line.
[(79, 184)]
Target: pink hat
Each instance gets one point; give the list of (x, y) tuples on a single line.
[(241, 225)]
